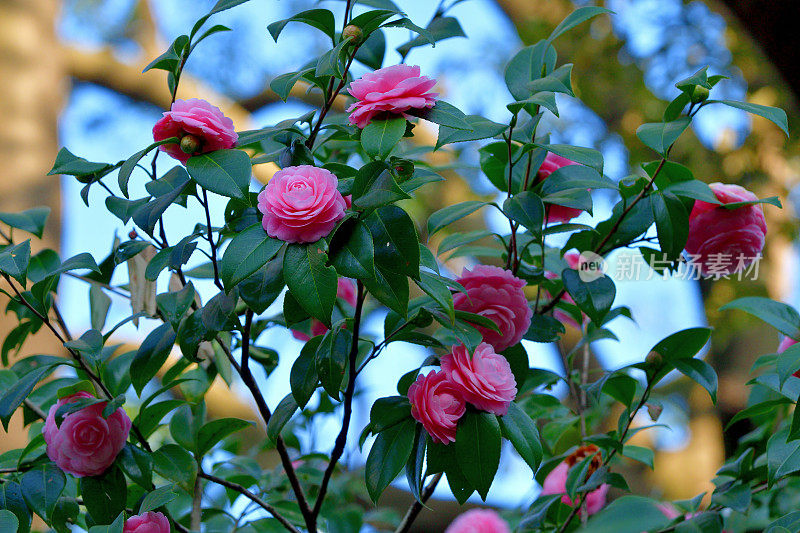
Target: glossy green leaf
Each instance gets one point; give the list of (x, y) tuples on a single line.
[(310, 280), (225, 172), (248, 251), (477, 449)]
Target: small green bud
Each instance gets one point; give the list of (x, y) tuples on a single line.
[(190, 144), (403, 168), (699, 94), (354, 33)]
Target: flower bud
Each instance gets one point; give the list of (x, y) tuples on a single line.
[(132, 234), (654, 410), (654, 359), (403, 168), (190, 144), (352, 32), (699, 94)]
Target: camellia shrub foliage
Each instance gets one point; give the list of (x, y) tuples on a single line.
[(120, 441)]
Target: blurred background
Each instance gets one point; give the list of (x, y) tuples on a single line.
[(70, 75)]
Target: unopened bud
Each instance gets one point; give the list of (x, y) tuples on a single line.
[(352, 32), (190, 144), (132, 234), (699, 94), (403, 168), (654, 359)]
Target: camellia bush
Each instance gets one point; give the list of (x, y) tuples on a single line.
[(120, 441)]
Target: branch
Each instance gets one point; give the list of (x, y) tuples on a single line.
[(416, 507), (341, 439), (255, 499)]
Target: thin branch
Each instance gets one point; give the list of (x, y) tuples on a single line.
[(416, 507), (255, 499), (211, 243), (341, 439)]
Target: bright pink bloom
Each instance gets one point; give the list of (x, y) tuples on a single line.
[(85, 444), (556, 480), (722, 240), (437, 404), (346, 291), (552, 162), (301, 204), (478, 521), (199, 118), (394, 90), (497, 294), (483, 378), (149, 522)]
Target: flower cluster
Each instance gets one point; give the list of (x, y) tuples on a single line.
[(483, 379)]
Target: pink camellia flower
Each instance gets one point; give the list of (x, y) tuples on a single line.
[(484, 378), (573, 260), (478, 521), (437, 404), (346, 290), (301, 204), (149, 522), (724, 241), (209, 128), (497, 294), (556, 480), (86, 443), (556, 213), (394, 90)]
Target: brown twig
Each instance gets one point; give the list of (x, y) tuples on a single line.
[(416, 507)]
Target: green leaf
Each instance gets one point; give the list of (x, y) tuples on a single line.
[(521, 431), (115, 527), (262, 288), (8, 521), (99, 303), (395, 240), (127, 167), (628, 514), (575, 18), (456, 240), (41, 487), (672, 223), (439, 29), (355, 257), (248, 251), (310, 280), (282, 85), (322, 19), (19, 390), (152, 354), (558, 81), (436, 288), (379, 137), (594, 298), (71, 165), (222, 5), (701, 372), (388, 456), (772, 200), (137, 465), (477, 446), (157, 498), (225, 172), (170, 59), (783, 457), (416, 461), (14, 260), (175, 464), (529, 64), (105, 495), (443, 114), (281, 416), (544, 328), (11, 500), (216, 430), (585, 156), (773, 114), (684, 344), (782, 317), (303, 377), (372, 50), (527, 209), (447, 215), (332, 356), (31, 220), (661, 135), (173, 305), (375, 186), (479, 128)]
